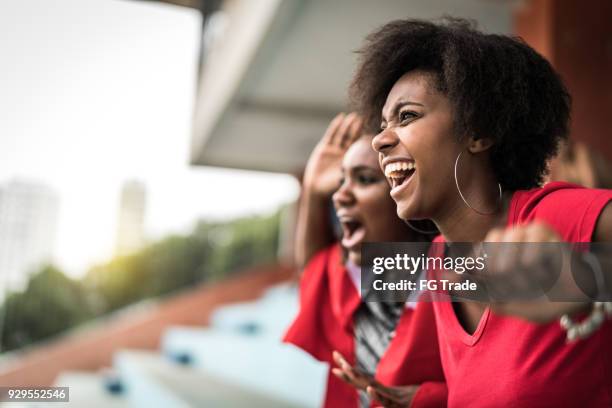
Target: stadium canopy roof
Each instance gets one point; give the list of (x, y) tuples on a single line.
[(274, 72)]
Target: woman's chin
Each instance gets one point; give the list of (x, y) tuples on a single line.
[(409, 210), (405, 212)]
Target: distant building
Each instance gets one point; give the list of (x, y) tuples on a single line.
[(130, 225), (28, 227)]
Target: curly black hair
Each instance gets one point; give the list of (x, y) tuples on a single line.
[(499, 87)]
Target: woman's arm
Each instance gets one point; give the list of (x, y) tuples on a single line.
[(321, 179), (603, 228), (521, 266)]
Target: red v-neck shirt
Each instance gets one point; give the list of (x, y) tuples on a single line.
[(328, 301), (508, 362)]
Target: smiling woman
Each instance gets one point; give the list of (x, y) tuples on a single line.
[(439, 97), (466, 124)]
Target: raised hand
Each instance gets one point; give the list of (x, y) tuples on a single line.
[(321, 179), (322, 174)]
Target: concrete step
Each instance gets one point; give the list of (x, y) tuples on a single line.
[(152, 380), (89, 390), (270, 315), (250, 361)]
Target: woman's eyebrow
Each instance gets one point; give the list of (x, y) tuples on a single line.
[(400, 104), (363, 167)]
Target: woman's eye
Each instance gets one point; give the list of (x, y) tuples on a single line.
[(406, 115), (383, 126), (365, 179), (341, 182)]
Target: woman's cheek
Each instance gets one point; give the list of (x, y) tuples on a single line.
[(384, 208), (369, 205)]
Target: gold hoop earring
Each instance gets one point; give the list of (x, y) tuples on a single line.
[(420, 231), (499, 200)]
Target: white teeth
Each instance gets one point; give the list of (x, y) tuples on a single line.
[(392, 169)]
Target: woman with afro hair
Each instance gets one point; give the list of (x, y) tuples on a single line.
[(472, 119)]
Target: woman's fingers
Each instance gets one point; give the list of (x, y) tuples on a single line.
[(387, 392), (339, 359), (332, 129), (343, 130), (354, 132), (342, 375), (343, 133), (382, 399), (348, 377), (391, 397), (349, 373)]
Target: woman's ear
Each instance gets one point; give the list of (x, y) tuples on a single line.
[(479, 145)]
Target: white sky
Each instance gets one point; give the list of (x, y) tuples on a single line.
[(95, 92)]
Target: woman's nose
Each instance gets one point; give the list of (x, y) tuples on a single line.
[(385, 141), (343, 196)]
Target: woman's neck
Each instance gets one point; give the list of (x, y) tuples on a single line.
[(459, 223)]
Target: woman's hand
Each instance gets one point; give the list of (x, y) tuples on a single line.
[(351, 375), (392, 397), (322, 173), (322, 176), (528, 274), (389, 397)]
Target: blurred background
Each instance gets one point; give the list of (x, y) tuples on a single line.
[(150, 159)]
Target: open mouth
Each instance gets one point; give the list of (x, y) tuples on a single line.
[(353, 232), (399, 173)]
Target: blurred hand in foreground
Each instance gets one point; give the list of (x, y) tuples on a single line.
[(530, 273)]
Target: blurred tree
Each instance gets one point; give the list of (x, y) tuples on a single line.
[(245, 242), (211, 251), (53, 302), (165, 266), (50, 303)]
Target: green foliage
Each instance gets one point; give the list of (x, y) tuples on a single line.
[(52, 303), (244, 243), (162, 267)]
